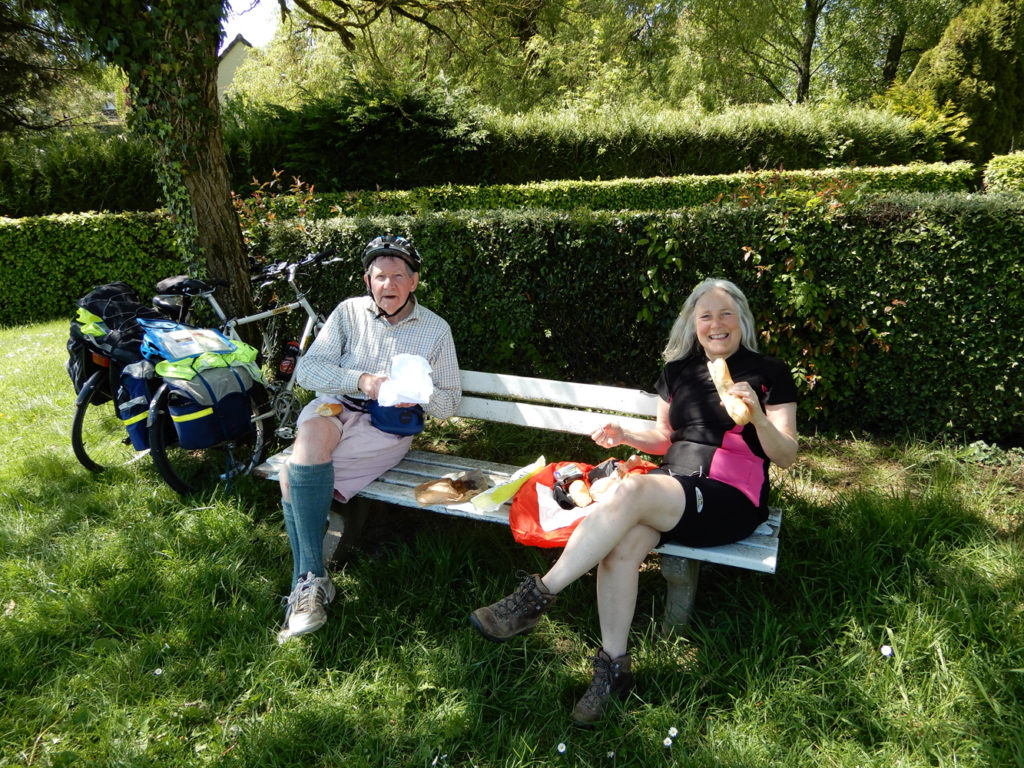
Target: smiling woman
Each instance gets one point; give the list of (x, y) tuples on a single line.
[(710, 489)]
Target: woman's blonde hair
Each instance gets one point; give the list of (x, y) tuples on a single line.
[(682, 340)]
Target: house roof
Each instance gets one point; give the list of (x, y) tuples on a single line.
[(239, 40)]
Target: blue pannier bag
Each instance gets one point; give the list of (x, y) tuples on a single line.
[(212, 407), (136, 389)]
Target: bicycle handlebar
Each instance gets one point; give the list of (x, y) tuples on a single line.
[(274, 271), (183, 285)]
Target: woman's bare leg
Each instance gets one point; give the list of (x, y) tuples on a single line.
[(618, 578), (655, 501)]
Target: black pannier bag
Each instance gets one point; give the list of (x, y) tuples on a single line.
[(85, 357), (105, 336)]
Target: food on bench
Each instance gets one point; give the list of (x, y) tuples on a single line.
[(492, 499), (579, 494), (734, 406), (329, 409), (565, 479), (605, 475), (451, 490)]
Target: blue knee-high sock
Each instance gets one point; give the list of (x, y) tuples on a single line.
[(312, 488), (289, 526)]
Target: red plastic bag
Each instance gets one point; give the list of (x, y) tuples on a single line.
[(537, 520)]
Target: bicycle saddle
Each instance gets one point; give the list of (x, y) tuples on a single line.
[(183, 285)]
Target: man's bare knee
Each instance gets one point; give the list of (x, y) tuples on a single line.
[(316, 440)]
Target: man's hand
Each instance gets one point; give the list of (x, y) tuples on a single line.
[(369, 384)]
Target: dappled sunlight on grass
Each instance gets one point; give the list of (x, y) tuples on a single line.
[(139, 628)]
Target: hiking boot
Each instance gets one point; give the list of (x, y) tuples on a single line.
[(612, 677), (307, 604), (516, 614)]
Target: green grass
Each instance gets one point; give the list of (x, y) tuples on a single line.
[(137, 629)]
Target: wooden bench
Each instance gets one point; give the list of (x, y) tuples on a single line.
[(559, 406)]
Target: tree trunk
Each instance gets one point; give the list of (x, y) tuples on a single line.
[(893, 54), (808, 34), (218, 234)]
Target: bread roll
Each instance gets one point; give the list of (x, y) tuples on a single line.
[(329, 409), (579, 494), (734, 406)]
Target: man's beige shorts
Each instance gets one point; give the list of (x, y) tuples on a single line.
[(363, 454)]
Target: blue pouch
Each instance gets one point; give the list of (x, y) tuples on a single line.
[(390, 418), (394, 420), (168, 340)]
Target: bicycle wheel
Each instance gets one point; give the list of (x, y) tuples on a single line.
[(190, 471), (98, 437)]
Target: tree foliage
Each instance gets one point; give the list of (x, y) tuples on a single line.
[(168, 48), (977, 68), (518, 55), (37, 58), (510, 55)]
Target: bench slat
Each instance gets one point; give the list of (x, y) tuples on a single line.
[(544, 416), (396, 486), (631, 401)]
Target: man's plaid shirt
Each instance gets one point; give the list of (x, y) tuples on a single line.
[(354, 341)]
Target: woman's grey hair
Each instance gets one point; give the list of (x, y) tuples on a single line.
[(682, 340)]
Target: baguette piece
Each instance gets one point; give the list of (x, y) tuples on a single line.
[(602, 486), (329, 409), (579, 494), (736, 408)]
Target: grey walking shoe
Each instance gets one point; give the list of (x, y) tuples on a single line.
[(307, 604), (612, 677), (515, 614)]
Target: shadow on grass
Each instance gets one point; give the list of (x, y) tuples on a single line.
[(120, 579), (920, 574)]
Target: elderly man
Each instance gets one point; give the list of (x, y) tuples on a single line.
[(338, 451)]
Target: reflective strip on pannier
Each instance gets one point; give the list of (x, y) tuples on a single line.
[(191, 416), (211, 407), (133, 395)]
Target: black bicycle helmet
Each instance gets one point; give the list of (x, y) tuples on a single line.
[(398, 247)]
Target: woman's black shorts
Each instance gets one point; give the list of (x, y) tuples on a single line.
[(716, 513)]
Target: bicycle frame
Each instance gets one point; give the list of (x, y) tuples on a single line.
[(282, 401)]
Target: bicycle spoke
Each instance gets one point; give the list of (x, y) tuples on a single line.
[(98, 437)]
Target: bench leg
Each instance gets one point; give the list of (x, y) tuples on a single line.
[(344, 525), (681, 575)]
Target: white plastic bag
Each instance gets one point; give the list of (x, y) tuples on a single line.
[(409, 382)]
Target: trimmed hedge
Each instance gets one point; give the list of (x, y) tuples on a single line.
[(48, 262), (634, 194), (897, 314), (1005, 173), (76, 171), (372, 144), (340, 146)]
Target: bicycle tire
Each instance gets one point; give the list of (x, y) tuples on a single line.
[(192, 471), (98, 437)]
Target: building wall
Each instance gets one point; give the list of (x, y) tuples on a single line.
[(230, 60)]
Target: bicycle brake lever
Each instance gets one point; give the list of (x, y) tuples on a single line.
[(313, 258)]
